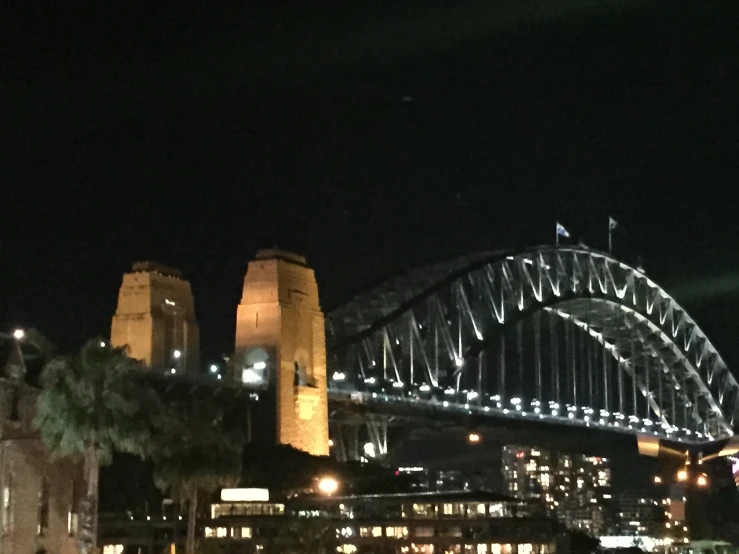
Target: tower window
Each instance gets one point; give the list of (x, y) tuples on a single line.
[(300, 377)]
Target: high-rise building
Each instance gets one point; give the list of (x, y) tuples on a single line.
[(155, 318), (281, 347), (638, 514), (573, 488)]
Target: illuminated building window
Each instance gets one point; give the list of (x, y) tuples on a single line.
[(424, 510), (397, 532), (370, 531), (43, 507), (8, 503), (72, 517), (221, 532)]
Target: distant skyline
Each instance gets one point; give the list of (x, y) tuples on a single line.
[(420, 131)]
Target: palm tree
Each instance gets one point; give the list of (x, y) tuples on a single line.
[(90, 405), (196, 452)]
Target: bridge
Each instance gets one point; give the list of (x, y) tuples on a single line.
[(549, 335)]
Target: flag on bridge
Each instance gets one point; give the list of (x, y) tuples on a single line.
[(560, 232)]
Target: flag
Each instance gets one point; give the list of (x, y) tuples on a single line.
[(612, 224), (562, 232)]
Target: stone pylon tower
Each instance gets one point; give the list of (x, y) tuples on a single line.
[(155, 318), (281, 347)]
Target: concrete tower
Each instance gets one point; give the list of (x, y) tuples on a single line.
[(155, 317), (281, 347)]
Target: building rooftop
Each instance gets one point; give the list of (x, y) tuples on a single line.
[(155, 267), (277, 254), (411, 497)]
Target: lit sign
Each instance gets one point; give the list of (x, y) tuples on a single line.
[(245, 495)]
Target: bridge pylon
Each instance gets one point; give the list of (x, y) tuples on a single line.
[(281, 347)]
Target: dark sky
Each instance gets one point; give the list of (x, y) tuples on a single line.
[(370, 136)]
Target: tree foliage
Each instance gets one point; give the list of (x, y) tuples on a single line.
[(287, 470), (95, 399), (92, 404), (195, 451)]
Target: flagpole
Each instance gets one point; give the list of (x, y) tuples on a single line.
[(612, 224)]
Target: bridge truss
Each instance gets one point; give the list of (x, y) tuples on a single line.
[(566, 335)]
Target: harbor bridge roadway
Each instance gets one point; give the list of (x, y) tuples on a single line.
[(550, 335)]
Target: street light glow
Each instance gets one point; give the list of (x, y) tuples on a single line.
[(19, 334), (657, 480), (702, 480), (328, 485), (473, 437), (682, 475), (213, 368), (177, 354)]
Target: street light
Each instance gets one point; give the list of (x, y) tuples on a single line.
[(473, 437), (702, 480), (682, 475), (177, 354), (328, 485), (19, 334), (657, 480)]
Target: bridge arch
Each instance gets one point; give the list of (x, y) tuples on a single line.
[(566, 334)]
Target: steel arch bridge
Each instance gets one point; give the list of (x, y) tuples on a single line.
[(565, 335)]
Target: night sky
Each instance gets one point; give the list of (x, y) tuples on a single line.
[(369, 136)]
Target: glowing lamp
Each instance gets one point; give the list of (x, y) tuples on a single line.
[(328, 485)]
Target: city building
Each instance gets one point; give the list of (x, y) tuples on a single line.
[(462, 522), (574, 488), (155, 319), (638, 514), (39, 496)]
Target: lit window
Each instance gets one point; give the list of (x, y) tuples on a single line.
[(8, 504), (72, 517), (43, 507), (397, 532)]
